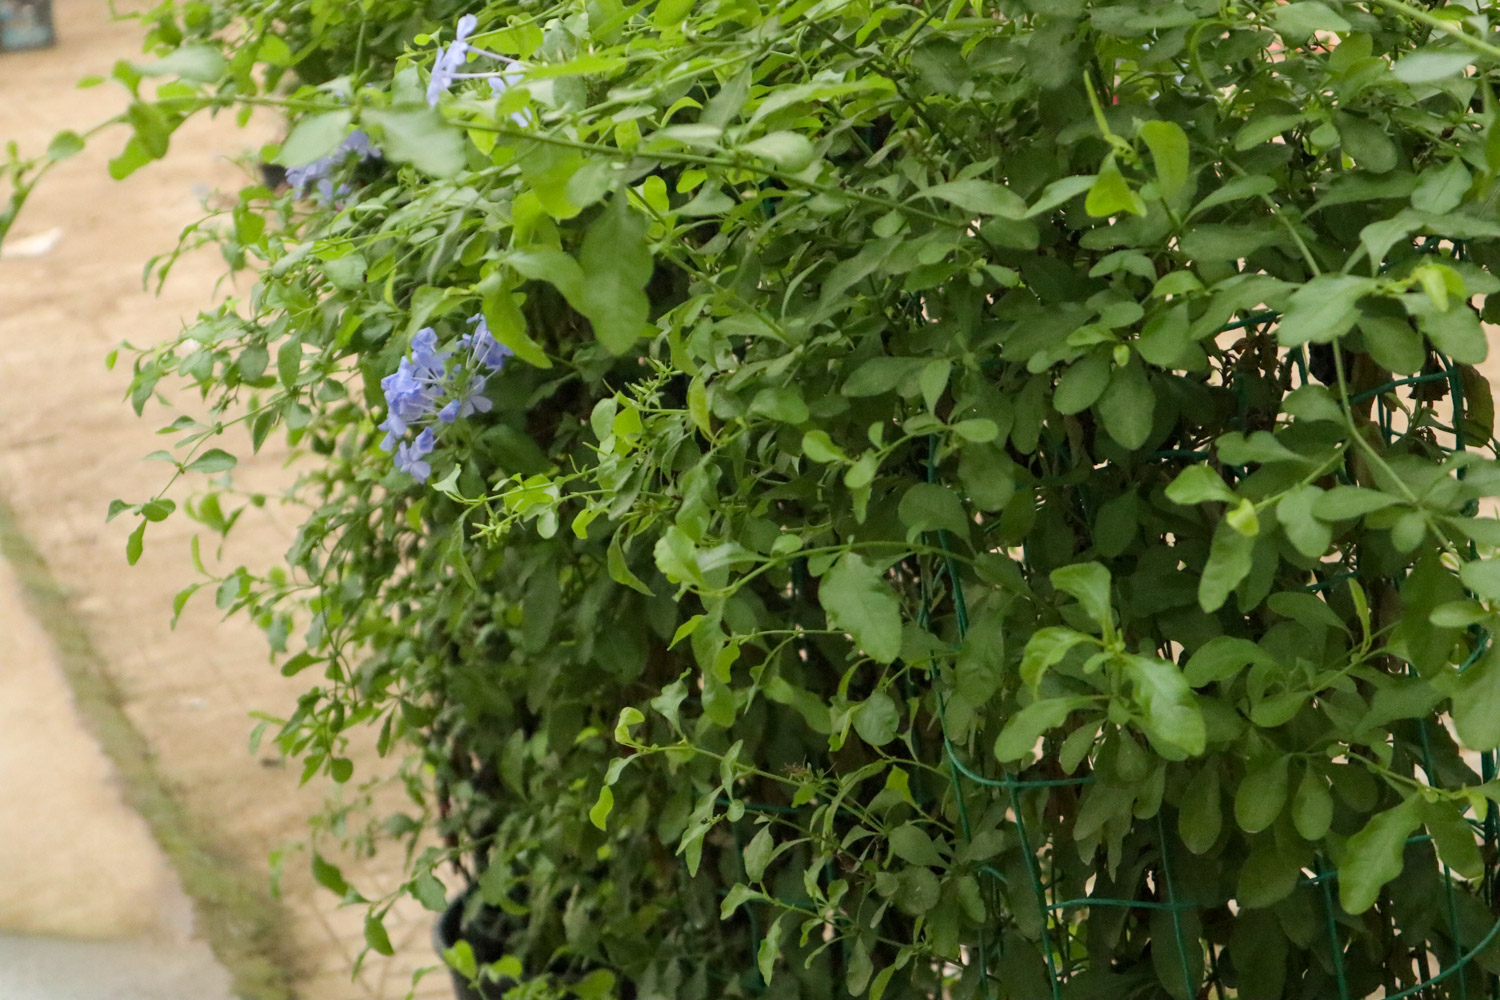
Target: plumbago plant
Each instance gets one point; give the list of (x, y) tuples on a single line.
[(980, 500)]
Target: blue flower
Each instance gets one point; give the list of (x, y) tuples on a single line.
[(356, 143), (464, 29), (443, 71), (426, 359), (451, 61), (414, 389), (484, 350), (411, 458), (466, 403), (432, 387)]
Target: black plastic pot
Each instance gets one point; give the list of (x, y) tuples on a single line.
[(447, 931)]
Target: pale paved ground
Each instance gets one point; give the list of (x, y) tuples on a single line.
[(74, 832), (52, 770), (57, 969), (69, 445)]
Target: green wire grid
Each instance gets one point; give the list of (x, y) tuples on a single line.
[(1055, 933)]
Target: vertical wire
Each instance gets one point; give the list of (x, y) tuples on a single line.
[(1458, 949), (1166, 868), (1336, 948), (961, 614)]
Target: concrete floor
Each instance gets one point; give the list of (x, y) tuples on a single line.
[(89, 907), (37, 968)]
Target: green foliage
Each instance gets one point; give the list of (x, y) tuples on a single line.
[(1009, 473)]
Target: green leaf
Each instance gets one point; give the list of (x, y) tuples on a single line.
[(1062, 190), (857, 975), (879, 375), (1046, 647), (1298, 20), (1454, 838), (1128, 406), (600, 810), (1262, 794), (1089, 583), (289, 361), (1083, 383), (780, 404), (1173, 717), (1373, 856), (789, 151), (919, 891), (1431, 65), (769, 951), (1442, 188), (1393, 343), (199, 63), (1230, 559), (135, 544), (1261, 129), (213, 460), (1200, 814), (1236, 189), (1482, 576), (819, 447), (1454, 331), (1345, 502), (911, 844), (1111, 195), (1199, 484), (153, 129), (979, 197), (930, 507), (1322, 309), (1267, 876), (859, 601), (429, 892), (1367, 143), (508, 325), (619, 569), (629, 716), (64, 144), (131, 158), (758, 854), (1312, 805), (1025, 727), (1165, 338), (616, 265), (328, 875), (1476, 693), (422, 138), (1169, 152), (461, 959), (252, 362), (314, 137), (1222, 658), (877, 720), (158, 510), (1378, 237), (738, 895), (375, 935), (679, 559), (988, 475), (1310, 536)]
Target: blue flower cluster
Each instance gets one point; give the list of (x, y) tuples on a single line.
[(455, 57), (427, 391), (356, 143)]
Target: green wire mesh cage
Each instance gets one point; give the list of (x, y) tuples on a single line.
[(1069, 920)]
